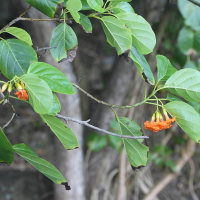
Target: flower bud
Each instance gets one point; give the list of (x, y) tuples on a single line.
[(5, 85), (160, 116), (22, 84), (18, 86), (10, 87), (157, 116), (165, 113), (153, 117)]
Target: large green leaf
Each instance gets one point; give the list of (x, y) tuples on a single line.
[(6, 149), (165, 69), (55, 107), (185, 83), (40, 164), (142, 65), (64, 133), (15, 57), (48, 7), (63, 39), (117, 34), (171, 97), (136, 151), (191, 13), (74, 6), (40, 95), (96, 5), (119, 7), (186, 117), (142, 33), (20, 34), (85, 22), (56, 80)]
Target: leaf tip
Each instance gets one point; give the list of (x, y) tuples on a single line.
[(146, 79), (67, 187)]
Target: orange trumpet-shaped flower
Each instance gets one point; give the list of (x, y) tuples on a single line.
[(22, 94)]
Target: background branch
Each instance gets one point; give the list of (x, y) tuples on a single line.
[(98, 129)]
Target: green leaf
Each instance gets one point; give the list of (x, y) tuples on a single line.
[(6, 149), (63, 39), (186, 117), (136, 151), (20, 34), (74, 5), (96, 142), (55, 79), (119, 7), (191, 13), (185, 39), (196, 106), (165, 69), (55, 107), (142, 33), (141, 64), (75, 16), (40, 95), (15, 57), (190, 64), (85, 22), (185, 83), (48, 7), (96, 5), (64, 133), (40, 164), (85, 5), (117, 34), (196, 43), (171, 97), (162, 150), (121, 0)]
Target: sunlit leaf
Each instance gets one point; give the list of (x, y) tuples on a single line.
[(119, 7), (55, 107), (96, 5)]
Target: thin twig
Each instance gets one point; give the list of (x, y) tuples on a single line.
[(25, 11), (44, 48), (98, 129), (194, 2), (8, 121)]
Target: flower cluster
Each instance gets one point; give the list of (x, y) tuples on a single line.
[(159, 124)]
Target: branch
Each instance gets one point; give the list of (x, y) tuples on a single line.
[(194, 2), (44, 48), (98, 129)]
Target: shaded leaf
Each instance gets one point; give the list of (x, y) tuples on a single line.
[(171, 97), (6, 149), (165, 69), (142, 65), (142, 34), (40, 164), (185, 83), (20, 34), (186, 117), (85, 5), (64, 133), (136, 151), (48, 7), (63, 39), (96, 5), (40, 95), (55, 79), (190, 64), (15, 57), (86, 24), (117, 34), (55, 107)]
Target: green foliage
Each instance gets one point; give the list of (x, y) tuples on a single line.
[(64, 133), (6, 149), (85, 22), (55, 107), (96, 5), (74, 6), (119, 7), (11, 62), (40, 164)]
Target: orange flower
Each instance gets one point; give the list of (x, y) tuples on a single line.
[(22, 94)]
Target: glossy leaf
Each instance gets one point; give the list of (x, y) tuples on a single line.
[(48, 7), (85, 22), (40, 95), (119, 7), (63, 39), (165, 69), (55, 107), (191, 13), (64, 133), (117, 34), (136, 151), (142, 33), (141, 64), (171, 97), (186, 117), (15, 57), (185, 83), (96, 5), (20, 34), (40, 164), (75, 16), (96, 142), (6, 149), (55, 79)]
